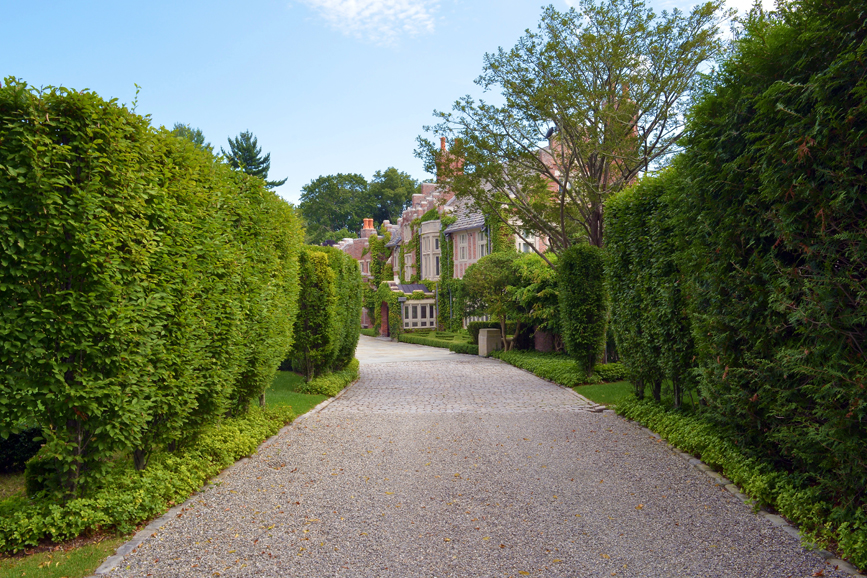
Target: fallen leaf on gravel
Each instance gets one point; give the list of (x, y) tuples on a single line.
[(639, 507), (556, 560), (524, 573), (819, 573), (486, 538), (446, 540), (502, 545), (606, 556), (389, 493)]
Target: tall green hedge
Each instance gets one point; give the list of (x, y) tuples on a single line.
[(329, 316), (583, 304), (769, 199), (777, 215), (147, 288), (645, 284)]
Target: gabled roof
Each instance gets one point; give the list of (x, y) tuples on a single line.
[(467, 217), (395, 241)]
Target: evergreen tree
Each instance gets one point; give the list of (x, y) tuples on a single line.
[(245, 154)]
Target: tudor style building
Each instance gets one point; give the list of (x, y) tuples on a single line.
[(416, 250)]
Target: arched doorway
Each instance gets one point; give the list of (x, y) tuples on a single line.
[(383, 316)]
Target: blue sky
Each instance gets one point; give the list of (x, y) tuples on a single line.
[(327, 86)]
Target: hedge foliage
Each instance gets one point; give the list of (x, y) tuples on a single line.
[(125, 497), (332, 383), (583, 304), (769, 226), (147, 288), (463, 347), (819, 520), (329, 316), (384, 294), (560, 368), (648, 305)]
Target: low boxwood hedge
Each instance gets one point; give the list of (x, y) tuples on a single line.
[(461, 347)]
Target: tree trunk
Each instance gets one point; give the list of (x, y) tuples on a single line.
[(656, 388), (638, 385), (596, 227)]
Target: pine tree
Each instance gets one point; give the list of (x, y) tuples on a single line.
[(244, 153)]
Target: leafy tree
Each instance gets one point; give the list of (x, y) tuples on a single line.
[(537, 292), (245, 154), (334, 202), (391, 191), (607, 85), (488, 285), (194, 135)]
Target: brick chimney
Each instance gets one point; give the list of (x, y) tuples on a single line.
[(367, 229)]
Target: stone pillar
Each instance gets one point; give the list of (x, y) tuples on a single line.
[(489, 340)]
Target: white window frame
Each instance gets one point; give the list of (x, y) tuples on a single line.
[(482, 244), (462, 247)]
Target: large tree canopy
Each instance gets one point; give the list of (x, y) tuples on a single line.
[(246, 154), (334, 202), (606, 85), (391, 191), (332, 205)]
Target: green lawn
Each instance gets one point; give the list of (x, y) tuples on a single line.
[(75, 563), (606, 393), (433, 338), (283, 392)]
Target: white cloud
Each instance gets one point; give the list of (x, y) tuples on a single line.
[(381, 21)]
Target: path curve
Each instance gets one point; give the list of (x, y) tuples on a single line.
[(441, 464)]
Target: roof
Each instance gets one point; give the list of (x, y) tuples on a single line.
[(413, 287), (467, 217), (395, 241)]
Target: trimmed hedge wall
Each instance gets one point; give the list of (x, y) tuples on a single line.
[(649, 316), (765, 212), (583, 304), (147, 288), (328, 322)]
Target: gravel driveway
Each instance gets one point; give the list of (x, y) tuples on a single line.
[(439, 464)]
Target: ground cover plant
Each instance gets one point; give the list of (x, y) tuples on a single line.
[(799, 502), (560, 368), (127, 496)]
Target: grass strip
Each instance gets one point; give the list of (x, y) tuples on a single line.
[(76, 562)]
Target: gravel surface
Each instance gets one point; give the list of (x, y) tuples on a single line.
[(436, 468)]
